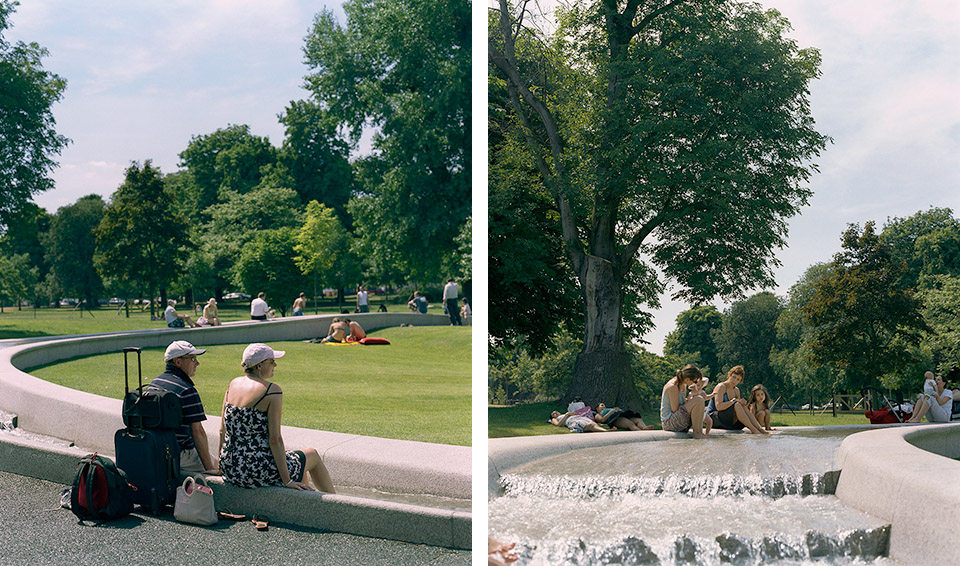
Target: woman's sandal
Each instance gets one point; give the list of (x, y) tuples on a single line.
[(228, 516), (261, 523)]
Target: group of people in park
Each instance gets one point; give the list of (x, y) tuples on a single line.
[(459, 314), (936, 401), (343, 330), (251, 449), (684, 405)]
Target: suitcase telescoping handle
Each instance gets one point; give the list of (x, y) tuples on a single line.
[(126, 379)]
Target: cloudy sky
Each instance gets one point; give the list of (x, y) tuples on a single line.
[(143, 80), (889, 98), (143, 77)]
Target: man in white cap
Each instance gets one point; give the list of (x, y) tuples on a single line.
[(182, 363)]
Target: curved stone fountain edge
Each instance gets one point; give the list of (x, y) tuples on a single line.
[(907, 475), (89, 421)]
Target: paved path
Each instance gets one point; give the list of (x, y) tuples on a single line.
[(34, 529)]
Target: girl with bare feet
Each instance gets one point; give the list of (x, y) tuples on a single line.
[(759, 405), (679, 413), (728, 410)]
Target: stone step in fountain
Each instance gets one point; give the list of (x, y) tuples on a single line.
[(585, 487), (855, 546)]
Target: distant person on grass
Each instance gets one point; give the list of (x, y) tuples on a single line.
[(575, 422), (175, 320), (678, 412), (362, 304), (259, 309), (182, 364), (299, 304), (356, 331), (418, 303), (620, 418), (210, 316), (337, 333), (450, 301), (252, 452)]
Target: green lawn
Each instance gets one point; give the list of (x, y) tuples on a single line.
[(417, 388), (531, 419), (46, 321)]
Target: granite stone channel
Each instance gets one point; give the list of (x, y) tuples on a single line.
[(735, 498)]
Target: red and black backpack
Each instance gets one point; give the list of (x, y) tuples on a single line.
[(101, 491)]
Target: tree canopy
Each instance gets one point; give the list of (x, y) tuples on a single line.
[(29, 142), (659, 129), (71, 246), (402, 71)]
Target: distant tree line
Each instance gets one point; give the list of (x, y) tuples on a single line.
[(883, 311), (242, 214)]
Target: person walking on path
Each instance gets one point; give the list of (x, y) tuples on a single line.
[(450, 300), (362, 304), (182, 364)]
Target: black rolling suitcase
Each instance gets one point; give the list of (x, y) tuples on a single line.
[(149, 456)]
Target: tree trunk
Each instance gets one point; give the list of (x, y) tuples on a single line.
[(603, 371)]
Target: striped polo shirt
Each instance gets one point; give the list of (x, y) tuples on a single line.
[(173, 379)]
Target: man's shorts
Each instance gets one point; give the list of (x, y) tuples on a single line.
[(190, 461), (679, 421), (176, 323)]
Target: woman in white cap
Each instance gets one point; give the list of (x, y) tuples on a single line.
[(252, 452), (210, 316)]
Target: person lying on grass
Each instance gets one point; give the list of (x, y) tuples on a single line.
[(619, 418), (575, 422)]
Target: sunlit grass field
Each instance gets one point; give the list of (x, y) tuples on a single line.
[(531, 419), (417, 388), (49, 321)]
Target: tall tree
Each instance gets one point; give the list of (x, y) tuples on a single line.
[(228, 159), (748, 333), (236, 221), (266, 264), (865, 318), (325, 249), (693, 341), (23, 236), (941, 309), (402, 71), (17, 279), (141, 239), (317, 156), (928, 242), (682, 132), (70, 247), (28, 138)]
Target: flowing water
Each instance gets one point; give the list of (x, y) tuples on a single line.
[(737, 498)]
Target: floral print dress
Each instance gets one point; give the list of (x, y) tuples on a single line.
[(245, 458)]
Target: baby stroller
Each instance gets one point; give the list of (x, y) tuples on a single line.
[(879, 410)]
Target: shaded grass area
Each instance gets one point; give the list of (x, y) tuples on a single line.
[(531, 419), (417, 388), (49, 321)]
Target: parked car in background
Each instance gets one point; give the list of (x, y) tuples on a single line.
[(231, 296)]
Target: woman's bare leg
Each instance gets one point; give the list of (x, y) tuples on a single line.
[(695, 408), (594, 427), (318, 472), (747, 418), (640, 424), (623, 422), (708, 423), (919, 410)]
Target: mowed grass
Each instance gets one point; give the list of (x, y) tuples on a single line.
[(531, 419), (417, 388), (49, 321)]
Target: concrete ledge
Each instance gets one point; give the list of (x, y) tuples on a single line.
[(57, 462), (905, 475), (89, 421)]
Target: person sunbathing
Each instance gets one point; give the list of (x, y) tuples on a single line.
[(619, 418), (575, 422)]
